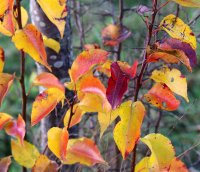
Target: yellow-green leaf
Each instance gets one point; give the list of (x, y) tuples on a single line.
[(188, 3), (56, 12), (30, 40), (173, 79), (25, 154), (127, 131), (176, 28)]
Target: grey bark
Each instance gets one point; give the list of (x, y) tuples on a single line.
[(60, 64)]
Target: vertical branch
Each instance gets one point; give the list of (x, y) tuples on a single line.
[(144, 66), (22, 67)]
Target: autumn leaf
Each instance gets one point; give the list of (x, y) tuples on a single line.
[(188, 3), (1, 59), (127, 131), (85, 61), (173, 79), (48, 80), (7, 25), (57, 142), (87, 47), (173, 51), (117, 85), (162, 97), (177, 165), (51, 43), (5, 83), (4, 119), (112, 34), (129, 70), (25, 154), (162, 156), (5, 163), (176, 28), (83, 151), (56, 12), (16, 128), (30, 40), (24, 17), (44, 164), (76, 118), (44, 103)]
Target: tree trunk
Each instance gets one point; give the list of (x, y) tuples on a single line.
[(60, 63)]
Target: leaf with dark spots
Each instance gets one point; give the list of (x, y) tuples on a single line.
[(117, 85)]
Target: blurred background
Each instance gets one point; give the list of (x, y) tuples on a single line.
[(182, 127)]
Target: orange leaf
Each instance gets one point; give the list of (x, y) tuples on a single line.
[(83, 151), (177, 165), (76, 118), (5, 163), (112, 34), (16, 128), (48, 80), (56, 12), (4, 119), (30, 40), (1, 59), (162, 97), (7, 25), (129, 70), (44, 164), (127, 131), (44, 103), (57, 142), (5, 83), (85, 61)]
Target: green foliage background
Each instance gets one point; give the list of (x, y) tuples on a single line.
[(181, 126)]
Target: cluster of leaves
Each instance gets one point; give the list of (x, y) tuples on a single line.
[(91, 95)]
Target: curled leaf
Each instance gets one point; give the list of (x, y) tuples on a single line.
[(176, 28), (25, 154), (44, 103), (127, 131), (112, 34), (30, 40), (173, 79), (6, 81), (162, 97), (56, 12)]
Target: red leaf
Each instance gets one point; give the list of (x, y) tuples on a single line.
[(117, 85), (5, 163)]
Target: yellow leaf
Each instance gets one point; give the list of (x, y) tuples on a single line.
[(44, 164), (188, 3), (76, 118), (56, 12), (4, 119), (51, 43), (1, 59), (30, 40), (24, 16), (25, 154), (173, 79), (83, 151), (176, 28), (44, 103), (127, 131), (162, 153), (57, 141)]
